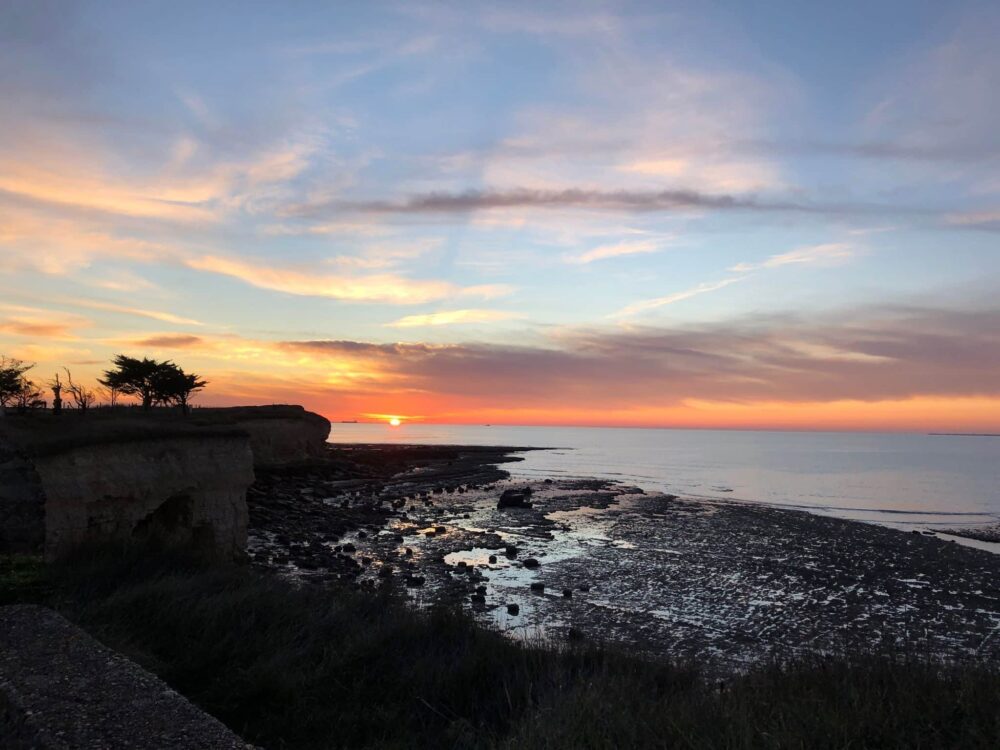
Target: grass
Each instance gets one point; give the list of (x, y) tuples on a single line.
[(290, 667)]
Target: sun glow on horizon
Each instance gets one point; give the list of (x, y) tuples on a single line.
[(395, 421)]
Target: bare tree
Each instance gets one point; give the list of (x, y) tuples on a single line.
[(83, 397), (109, 394)]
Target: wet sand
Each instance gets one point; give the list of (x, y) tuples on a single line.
[(722, 583)]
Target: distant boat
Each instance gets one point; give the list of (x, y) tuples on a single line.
[(348, 421)]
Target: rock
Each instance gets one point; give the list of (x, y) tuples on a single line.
[(348, 548), (478, 599), (585, 588), (510, 550), (409, 552), (538, 587), (548, 481), (531, 563), (493, 559), (481, 590), (513, 609), (515, 499), (574, 634), (414, 581), (567, 593)]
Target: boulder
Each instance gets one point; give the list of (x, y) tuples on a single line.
[(515, 499)]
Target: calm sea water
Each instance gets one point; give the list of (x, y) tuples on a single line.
[(904, 480)]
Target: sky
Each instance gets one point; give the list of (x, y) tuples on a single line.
[(776, 215)]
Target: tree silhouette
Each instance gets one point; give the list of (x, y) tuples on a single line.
[(83, 397), (11, 379), (134, 377), (153, 382), (29, 396), (176, 386)]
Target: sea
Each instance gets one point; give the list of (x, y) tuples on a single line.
[(910, 481)]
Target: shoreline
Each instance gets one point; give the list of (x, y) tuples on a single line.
[(719, 581)]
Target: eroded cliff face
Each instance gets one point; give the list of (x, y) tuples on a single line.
[(278, 441), (129, 475), (186, 491)]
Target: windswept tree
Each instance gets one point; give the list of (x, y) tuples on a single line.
[(11, 379), (176, 386), (134, 377), (152, 381)]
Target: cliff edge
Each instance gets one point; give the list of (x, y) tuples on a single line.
[(124, 475)]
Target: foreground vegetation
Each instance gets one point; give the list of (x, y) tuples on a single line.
[(291, 667)]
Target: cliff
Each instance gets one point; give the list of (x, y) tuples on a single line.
[(280, 436), (126, 475)]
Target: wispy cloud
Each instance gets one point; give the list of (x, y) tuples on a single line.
[(829, 253), (163, 317), (454, 317), (652, 304), (371, 288), (603, 252)]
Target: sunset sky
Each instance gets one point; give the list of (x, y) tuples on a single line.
[(729, 214)]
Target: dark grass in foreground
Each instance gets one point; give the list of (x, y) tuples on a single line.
[(313, 668)]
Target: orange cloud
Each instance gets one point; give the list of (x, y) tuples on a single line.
[(376, 287), (454, 317)]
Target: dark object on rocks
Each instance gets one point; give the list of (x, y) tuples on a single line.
[(585, 588), (567, 593), (493, 559), (531, 563), (510, 551), (515, 499), (362, 535), (413, 581), (385, 571), (481, 590), (348, 548), (539, 587), (478, 599), (513, 609), (574, 634), (548, 481), (409, 552)]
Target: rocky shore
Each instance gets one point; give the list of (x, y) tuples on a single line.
[(726, 584)]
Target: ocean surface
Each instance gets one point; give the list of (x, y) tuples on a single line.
[(903, 480)]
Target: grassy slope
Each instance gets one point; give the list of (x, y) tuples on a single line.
[(312, 668)]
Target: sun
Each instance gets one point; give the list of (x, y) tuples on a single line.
[(395, 421)]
